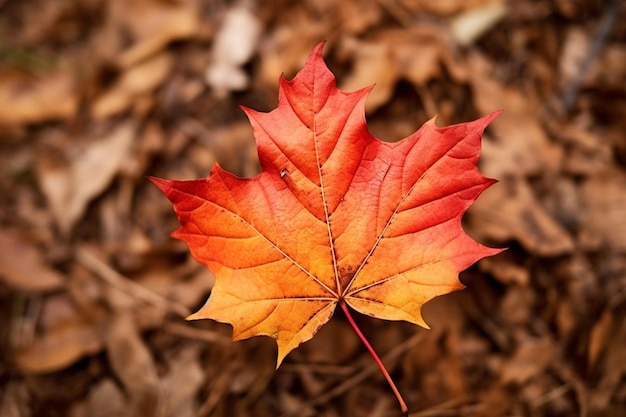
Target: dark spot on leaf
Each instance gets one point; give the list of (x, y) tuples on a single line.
[(346, 274)]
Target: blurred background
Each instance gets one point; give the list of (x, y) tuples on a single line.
[(95, 95)]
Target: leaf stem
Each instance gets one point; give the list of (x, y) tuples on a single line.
[(403, 407)]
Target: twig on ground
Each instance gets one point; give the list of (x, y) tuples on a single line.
[(186, 330), (359, 377), (570, 93), (117, 280)]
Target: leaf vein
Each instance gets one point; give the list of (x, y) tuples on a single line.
[(269, 242), (395, 212)]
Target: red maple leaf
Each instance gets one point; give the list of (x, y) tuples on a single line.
[(336, 216)]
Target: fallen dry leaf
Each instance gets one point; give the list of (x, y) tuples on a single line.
[(234, 45), (134, 83), (105, 399), (70, 184), (22, 266), (182, 384), (152, 25), (35, 99), (575, 50), (571, 163), (532, 357), (373, 62), (511, 212), (600, 397), (65, 338), (514, 151), (604, 210), (133, 364), (392, 57), (468, 26), (599, 337)]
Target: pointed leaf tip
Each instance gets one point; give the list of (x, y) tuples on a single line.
[(159, 182)]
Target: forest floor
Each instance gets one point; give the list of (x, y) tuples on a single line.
[(96, 95)]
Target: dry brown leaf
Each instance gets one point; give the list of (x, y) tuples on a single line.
[(188, 292), (588, 153), (562, 201), (151, 141), (124, 294), (183, 382), (105, 399), (522, 147), (442, 7), (234, 45), (56, 56), (434, 53), (356, 16), (468, 26), (132, 363), (575, 298), (610, 69), (134, 83), (69, 185), (417, 55), (23, 267), (606, 71), (599, 337), (373, 62), (232, 145), (14, 400), (511, 212), (286, 49), (600, 397), (531, 358), (334, 345), (517, 306), (506, 270), (604, 211), (575, 51), (67, 336), (153, 25), (35, 99)]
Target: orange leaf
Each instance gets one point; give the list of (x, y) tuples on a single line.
[(335, 215)]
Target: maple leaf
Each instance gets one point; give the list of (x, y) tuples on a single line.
[(335, 216)]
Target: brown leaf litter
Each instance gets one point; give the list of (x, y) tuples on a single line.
[(96, 95)]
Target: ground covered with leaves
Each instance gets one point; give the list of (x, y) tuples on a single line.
[(96, 95)]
